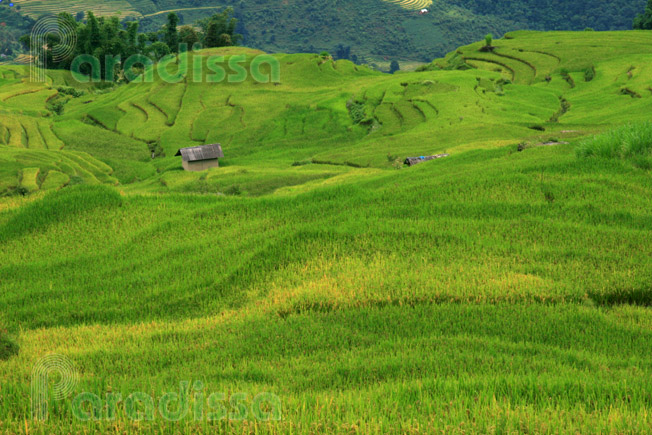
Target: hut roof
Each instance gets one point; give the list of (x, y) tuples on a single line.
[(202, 152)]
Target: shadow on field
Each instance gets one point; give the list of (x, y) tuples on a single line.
[(7, 348), (633, 296), (57, 207)]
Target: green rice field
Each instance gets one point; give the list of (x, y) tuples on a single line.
[(505, 288)]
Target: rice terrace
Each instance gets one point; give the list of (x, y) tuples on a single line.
[(313, 244)]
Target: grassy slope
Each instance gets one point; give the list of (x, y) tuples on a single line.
[(477, 293)]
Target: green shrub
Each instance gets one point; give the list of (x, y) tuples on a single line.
[(233, 190), (488, 39), (631, 93), (626, 142), (589, 74), (356, 111), (70, 91), (56, 106), (21, 190)]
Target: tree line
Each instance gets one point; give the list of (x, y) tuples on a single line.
[(105, 38), (644, 21)]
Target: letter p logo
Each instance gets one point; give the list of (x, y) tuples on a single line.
[(53, 37), (53, 378)]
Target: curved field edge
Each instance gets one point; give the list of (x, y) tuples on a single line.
[(489, 236)]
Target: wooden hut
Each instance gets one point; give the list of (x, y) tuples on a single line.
[(200, 158), (411, 161)]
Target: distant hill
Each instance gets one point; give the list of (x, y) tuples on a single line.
[(13, 25), (366, 30)]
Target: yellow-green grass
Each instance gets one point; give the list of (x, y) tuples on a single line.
[(405, 65), (490, 291), (46, 169), (482, 293), (29, 179), (55, 180)]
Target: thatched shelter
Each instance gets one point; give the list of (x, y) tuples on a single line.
[(200, 158)]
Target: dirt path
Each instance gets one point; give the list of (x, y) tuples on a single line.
[(181, 9)]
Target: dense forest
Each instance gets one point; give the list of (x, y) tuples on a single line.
[(368, 31), (373, 29), (559, 14)]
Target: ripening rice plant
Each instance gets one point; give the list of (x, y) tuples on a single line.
[(626, 142)]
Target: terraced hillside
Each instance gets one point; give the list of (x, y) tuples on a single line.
[(412, 4), (354, 117), (123, 8), (504, 288), (32, 156)]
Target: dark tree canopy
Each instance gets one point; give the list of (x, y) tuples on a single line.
[(188, 36), (171, 37), (644, 21), (107, 37), (219, 29)]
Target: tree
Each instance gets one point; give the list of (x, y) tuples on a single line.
[(94, 40), (225, 40), (217, 25), (171, 37), (26, 40), (188, 36), (393, 67), (342, 52), (488, 40), (157, 50), (152, 37), (644, 21), (142, 42), (111, 41), (133, 40), (66, 21), (212, 38)]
